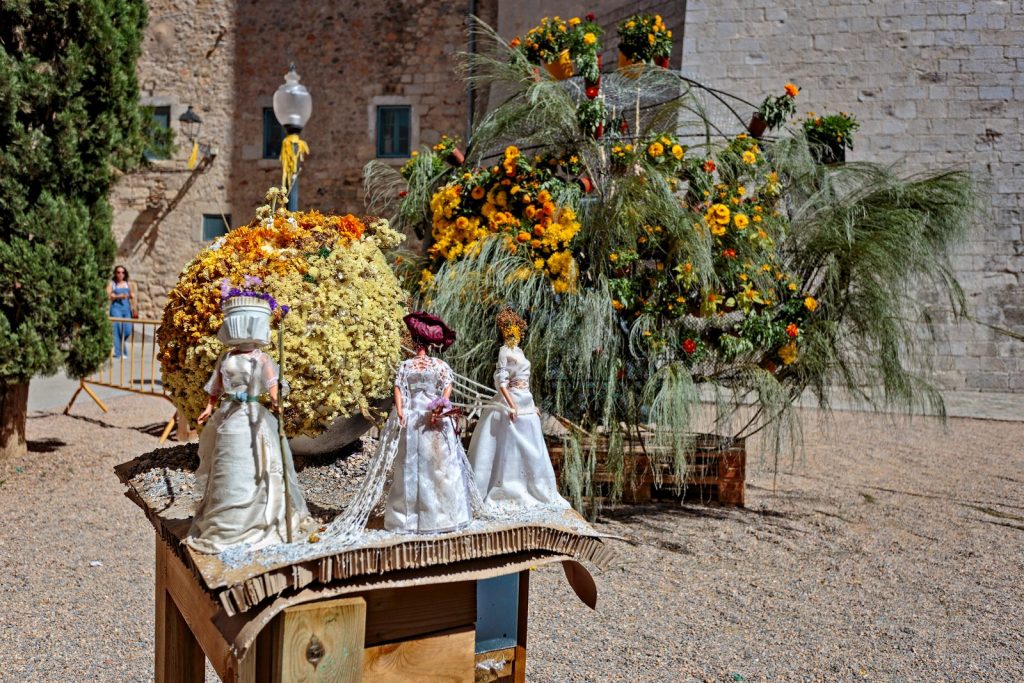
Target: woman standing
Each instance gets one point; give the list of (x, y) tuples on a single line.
[(121, 294), (510, 461)]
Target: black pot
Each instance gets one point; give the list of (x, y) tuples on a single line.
[(826, 151)]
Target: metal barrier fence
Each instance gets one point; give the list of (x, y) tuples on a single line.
[(134, 370)]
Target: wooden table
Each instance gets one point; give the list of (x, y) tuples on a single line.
[(415, 608)]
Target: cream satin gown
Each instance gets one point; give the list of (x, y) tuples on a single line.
[(510, 462), (241, 464)]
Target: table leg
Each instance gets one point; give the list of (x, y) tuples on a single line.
[(179, 659)]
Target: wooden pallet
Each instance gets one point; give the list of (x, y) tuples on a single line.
[(717, 466)]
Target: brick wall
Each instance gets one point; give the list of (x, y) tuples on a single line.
[(227, 59), (934, 83)]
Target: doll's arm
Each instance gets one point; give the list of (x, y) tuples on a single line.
[(501, 379)]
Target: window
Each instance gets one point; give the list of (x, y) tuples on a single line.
[(393, 124), (215, 225), (159, 134), (273, 134)]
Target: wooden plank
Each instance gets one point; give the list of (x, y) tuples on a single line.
[(495, 666), (394, 614), (322, 642), (178, 657), (199, 612), (443, 658)]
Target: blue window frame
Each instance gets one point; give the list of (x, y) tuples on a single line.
[(162, 118), (393, 131), (273, 134), (215, 225)]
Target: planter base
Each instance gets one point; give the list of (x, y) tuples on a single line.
[(717, 468)]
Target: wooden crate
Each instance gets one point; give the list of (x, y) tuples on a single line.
[(717, 466)]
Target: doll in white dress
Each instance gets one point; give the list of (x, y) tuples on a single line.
[(241, 467), (419, 452), (507, 453)]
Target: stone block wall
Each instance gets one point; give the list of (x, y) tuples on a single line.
[(934, 83)]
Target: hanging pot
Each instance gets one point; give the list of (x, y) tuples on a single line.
[(599, 131), (561, 68), (826, 151), (585, 183), (630, 68), (455, 157), (623, 125), (591, 89), (757, 126)]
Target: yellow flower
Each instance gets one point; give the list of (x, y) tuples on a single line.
[(574, 21), (677, 151), (651, 39), (613, 257), (791, 286), (811, 303), (589, 38), (788, 353), (617, 305), (630, 24), (741, 220), (749, 158), (656, 149), (719, 213)]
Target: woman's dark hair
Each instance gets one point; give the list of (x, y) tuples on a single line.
[(114, 275)]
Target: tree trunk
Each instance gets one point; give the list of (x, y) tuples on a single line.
[(13, 411)]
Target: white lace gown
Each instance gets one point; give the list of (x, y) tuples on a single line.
[(509, 459), (240, 461), (431, 485)]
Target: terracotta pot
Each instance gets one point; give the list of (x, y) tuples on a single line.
[(623, 125), (599, 131), (663, 62), (456, 157), (586, 184), (630, 68), (757, 126), (562, 68)]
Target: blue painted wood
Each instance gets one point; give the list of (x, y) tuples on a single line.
[(497, 610)]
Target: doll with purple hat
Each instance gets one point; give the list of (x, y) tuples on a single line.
[(431, 487)]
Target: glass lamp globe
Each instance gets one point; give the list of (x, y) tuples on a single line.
[(292, 103)]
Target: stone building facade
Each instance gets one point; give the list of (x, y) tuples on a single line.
[(226, 59), (933, 82)]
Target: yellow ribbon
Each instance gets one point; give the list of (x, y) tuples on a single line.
[(293, 151), (193, 158)]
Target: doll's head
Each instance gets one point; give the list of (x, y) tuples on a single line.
[(511, 326), (428, 331), (246, 323)]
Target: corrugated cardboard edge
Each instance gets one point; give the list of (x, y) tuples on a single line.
[(420, 554)]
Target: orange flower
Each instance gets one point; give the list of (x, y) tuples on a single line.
[(792, 90), (515, 42), (523, 237), (792, 330)]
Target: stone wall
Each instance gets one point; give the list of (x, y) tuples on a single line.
[(187, 59), (227, 59), (934, 83)]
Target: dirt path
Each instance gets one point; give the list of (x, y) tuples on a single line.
[(894, 552)]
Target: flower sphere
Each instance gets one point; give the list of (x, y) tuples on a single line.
[(343, 332)]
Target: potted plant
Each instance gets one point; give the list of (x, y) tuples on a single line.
[(643, 39), (564, 47), (830, 136), (447, 148), (774, 111), (591, 115)]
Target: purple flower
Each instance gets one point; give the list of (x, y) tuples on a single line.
[(440, 404), (285, 309), (225, 287), (253, 281)]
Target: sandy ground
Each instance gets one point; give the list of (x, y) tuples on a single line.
[(891, 552)]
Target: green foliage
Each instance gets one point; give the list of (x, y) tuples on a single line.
[(69, 121), (832, 129), (837, 256)]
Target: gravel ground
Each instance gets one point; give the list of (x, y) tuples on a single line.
[(891, 552)]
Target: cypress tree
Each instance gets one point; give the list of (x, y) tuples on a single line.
[(70, 122)]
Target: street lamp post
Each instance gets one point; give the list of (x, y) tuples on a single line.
[(292, 108)]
